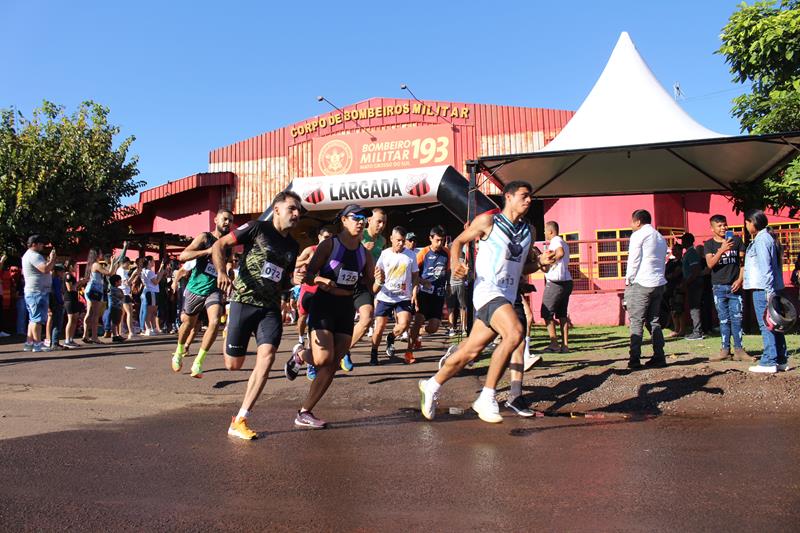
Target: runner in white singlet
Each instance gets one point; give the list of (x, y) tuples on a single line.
[(503, 256)]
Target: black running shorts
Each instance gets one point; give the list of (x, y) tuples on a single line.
[(362, 297), (430, 305), (331, 313), (244, 320), (484, 314)]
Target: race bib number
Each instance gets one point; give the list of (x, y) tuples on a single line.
[(395, 285), (347, 277), (210, 270), (272, 272), (505, 282)]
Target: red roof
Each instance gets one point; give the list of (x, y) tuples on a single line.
[(195, 181)]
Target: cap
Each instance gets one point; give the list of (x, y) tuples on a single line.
[(354, 209), (36, 239), (687, 237), (411, 236)]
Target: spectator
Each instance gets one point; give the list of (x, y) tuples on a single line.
[(55, 320), (97, 270), (724, 256), (673, 272), (116, 297), (72, 304), (126, 273), (764, 277), (150, 281), (37, 272), (3, 260), (796, 272), (693, 285), (18, 288), (558, 287), (644, 278)]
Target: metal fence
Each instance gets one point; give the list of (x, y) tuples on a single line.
[(599, 265)]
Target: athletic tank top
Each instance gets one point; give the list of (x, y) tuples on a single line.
[(344, 266), (203, 279), (501, 257)]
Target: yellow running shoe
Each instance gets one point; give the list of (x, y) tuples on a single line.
[(197, 371), (238, 428), (177, 362)]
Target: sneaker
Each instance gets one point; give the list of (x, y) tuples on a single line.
[(531, 360), (783, 367), (450, 351), (390, 345), (346, 363), (404, 336), (117, 339), (654, 362), (451, 332), (27, 347), (292, 367), (370, 331), (197, 371), (71, 345), (761, 369), (238, 428), (409, 357), (38, 347), (427, 401), (306, 419), (46, 348), (487, 410), (694, 337), (373, 358), (301, 340), (311, 372), (4, 334), (177, 362), (518, 406), (634, 364)]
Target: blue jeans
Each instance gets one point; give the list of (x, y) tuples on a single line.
[(142, 311), (22, 316), (729, 311), (56, 324), (774, 343)]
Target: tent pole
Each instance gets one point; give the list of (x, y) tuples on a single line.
[(472, 167)]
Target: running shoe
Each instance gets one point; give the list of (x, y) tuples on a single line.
[(404, 336), (311, 372), (451, 332), (238, 428), (292, 367), (409, 357), (373, 358), (177, 362), (4, 334), (27, 347), (117, 339), (346, 363), (390, 344), (427, 400), (306, 419), (530, 360), (38, 347), (518, 406), (197, 371), (370, 331), (487, 409), (450, 351), (71, 345)]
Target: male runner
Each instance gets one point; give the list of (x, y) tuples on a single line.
[(202, 292), (363, 297), (502, 259), (434, 267), (266, 268), (396, 277)]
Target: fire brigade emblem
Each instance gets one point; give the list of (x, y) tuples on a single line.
[(335, 158), (418, 185)]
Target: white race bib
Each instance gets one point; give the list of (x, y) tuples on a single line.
[(210, 270), (272, 272), (395, 285), (347, 277)]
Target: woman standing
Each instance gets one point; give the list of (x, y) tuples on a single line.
[(96, 273), (72, 306), (337, 266), (151, 280), (126, 274), (764, 277)]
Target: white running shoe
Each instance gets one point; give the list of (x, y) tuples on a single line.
[(531, 360), (487, 409), (451, 332), (450, 351), (370, 332), (427, 401), (404, 336)]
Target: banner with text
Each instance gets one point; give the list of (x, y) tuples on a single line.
[(419, 146)]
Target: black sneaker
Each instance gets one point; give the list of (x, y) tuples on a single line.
[(656, 362), (518, 406), (634, 364), (373, 358), (390, 345), (694, 337)]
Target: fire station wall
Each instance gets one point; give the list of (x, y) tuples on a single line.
[(187, 213)]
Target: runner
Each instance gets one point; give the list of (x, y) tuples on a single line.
[(337, 267), (202, 292), (363, 297), (396, 279), (503, 257), (266, 268), (434, 267)]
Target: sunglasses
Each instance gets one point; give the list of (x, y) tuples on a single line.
[(357, 218)]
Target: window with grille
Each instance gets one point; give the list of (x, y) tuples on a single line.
[(612, 252)]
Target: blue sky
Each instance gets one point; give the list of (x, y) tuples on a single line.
[(187, 77)]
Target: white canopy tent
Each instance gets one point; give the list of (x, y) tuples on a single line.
[(630, 137)]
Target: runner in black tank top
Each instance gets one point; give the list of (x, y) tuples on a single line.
[(338, 265)]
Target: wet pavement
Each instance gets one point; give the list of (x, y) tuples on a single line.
[(385, 469)]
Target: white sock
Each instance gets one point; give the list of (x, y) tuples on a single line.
[(432, 386), (487, 394), (243, 413)]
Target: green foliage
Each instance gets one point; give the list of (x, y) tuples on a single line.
[(761, 43), (62, 176)]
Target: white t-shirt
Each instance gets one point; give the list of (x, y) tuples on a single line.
[(149, 278), (125, 275), (559, 271), (397, 269), (35, 279)]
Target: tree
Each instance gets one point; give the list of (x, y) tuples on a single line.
[(761, 43), (62, 177)]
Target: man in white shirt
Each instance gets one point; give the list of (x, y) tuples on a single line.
[(645, 281), (557, 289), (37, 272)]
